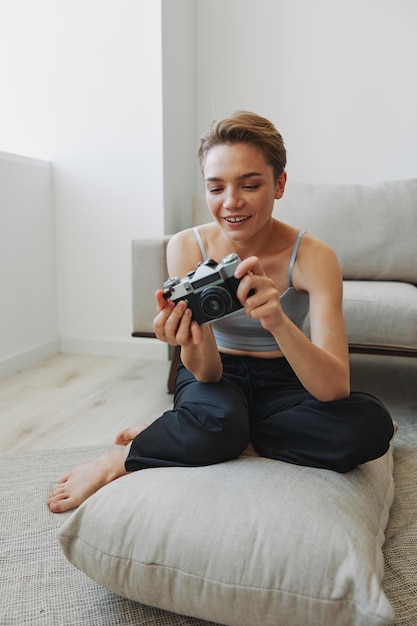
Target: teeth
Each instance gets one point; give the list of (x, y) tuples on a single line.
[(236, 219)]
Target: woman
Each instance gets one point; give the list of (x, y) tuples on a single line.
[(251, 382)]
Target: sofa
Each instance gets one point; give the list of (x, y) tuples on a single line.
[(373, 230)]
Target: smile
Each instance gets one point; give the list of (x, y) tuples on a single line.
[(235, 220)]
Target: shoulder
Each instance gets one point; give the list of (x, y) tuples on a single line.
[(310, 244), (317, 265), (181, 237), (183, 252)]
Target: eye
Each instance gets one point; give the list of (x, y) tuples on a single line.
[(251, 187), (215, 189)]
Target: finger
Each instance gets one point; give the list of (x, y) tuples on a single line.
[(161, 318), (161, 301), (248, 286), (251, 265), (196, 332), (174, 320), (264, 303), (183, 333)]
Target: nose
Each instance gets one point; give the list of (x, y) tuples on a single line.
[(232, 200)]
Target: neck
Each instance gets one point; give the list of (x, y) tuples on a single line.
[(261, 244)]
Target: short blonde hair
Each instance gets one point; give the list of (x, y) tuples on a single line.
[(247, 127)]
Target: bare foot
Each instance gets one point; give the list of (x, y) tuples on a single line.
[(128, 434), (80, 483), (250, 451)]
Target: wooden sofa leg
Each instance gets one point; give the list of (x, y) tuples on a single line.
[(175, 359), (173, 369)]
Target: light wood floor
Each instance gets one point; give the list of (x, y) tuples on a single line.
[(77, 400)]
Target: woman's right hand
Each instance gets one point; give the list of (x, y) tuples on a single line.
[(199, 353), (173, 323)]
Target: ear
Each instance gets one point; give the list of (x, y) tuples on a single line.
[(280, 186)]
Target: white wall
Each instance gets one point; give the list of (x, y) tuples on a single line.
[(337, 78), (82, 87), (179, 111), (28, 297)]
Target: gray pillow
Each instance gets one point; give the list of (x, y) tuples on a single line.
[(251, 541)]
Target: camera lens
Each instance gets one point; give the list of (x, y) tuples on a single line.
[(215, 302)]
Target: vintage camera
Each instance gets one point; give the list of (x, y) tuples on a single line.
[(210, 290)]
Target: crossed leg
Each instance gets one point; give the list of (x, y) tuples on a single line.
[(80, 483)]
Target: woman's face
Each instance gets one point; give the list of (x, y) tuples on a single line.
[(240, 189)]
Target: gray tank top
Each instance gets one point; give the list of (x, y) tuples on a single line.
[(240, 332)]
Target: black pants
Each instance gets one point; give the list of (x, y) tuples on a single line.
[(261, 401)]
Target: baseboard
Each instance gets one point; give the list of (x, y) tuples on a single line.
[(28, 358), (131, 348)]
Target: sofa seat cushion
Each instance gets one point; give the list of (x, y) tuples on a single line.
[(381, 314), (251, 541)]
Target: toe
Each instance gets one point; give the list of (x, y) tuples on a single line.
[(120, 438), (59, 506), (127, 435)]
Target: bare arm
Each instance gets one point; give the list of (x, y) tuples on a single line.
[(322, 364), (173, 323)]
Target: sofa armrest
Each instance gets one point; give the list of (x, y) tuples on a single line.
[(149, 271)]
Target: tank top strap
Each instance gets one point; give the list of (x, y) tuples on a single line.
[(200, 242), (294, 257)]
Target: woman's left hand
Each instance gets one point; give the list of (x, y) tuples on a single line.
[(258, 294)]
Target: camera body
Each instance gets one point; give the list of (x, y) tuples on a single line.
[(210, 290)]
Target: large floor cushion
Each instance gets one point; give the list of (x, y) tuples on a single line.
[(252, 541)]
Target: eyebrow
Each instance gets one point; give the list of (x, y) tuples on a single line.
[(241, 177)]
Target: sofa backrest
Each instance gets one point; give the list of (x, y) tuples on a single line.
[(372, 228)]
